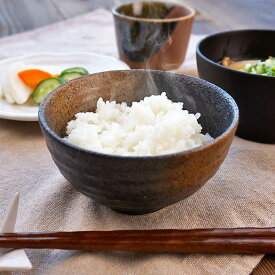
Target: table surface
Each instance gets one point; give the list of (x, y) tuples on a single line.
[(211, 16)]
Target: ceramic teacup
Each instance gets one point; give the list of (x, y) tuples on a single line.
[(153, 35)]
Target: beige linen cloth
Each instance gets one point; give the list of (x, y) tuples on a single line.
[(240, 194)]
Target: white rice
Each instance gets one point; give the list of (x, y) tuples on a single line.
[(153, 126)]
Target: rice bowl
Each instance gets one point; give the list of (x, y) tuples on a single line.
[(138, 184)]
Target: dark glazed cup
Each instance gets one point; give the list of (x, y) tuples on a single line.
[(153, 35), (254, 94), (136, 184)]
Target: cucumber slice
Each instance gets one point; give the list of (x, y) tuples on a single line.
[(76, 69), (70, 75), (44, 87)]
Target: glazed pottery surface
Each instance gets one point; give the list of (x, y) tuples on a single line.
[(153, 35), (138, 185)]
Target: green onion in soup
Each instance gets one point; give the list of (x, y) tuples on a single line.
[(266, 67)]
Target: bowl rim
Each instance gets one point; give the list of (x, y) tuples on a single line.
[(234, 123), (191, 13), (200, 54)]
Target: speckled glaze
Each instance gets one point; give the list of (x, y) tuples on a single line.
[(137, 185), (157, 38), (254, 94)]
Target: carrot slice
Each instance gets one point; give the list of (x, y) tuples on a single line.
[(32, 77)]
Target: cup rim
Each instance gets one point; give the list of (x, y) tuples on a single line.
[(153, 20)]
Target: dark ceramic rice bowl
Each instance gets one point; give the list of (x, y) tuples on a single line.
[(138, 185)]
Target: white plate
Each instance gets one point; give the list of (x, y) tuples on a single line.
[(55, 63)]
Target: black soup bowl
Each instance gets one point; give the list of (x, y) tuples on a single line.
[(254, 94), (137, 184)]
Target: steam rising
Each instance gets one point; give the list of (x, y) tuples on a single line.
[(137, 8)]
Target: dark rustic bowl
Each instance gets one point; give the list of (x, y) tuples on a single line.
[(138, 185), (254, 94), (157, 38)]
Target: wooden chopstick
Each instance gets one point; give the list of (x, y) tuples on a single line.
[(237, 240)]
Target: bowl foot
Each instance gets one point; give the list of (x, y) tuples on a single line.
[(136, 212)]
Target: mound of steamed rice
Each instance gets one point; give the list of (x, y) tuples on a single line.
[(153, 126)]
